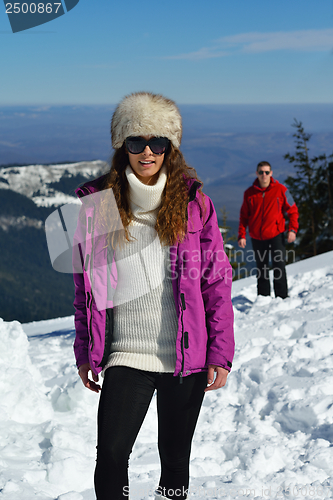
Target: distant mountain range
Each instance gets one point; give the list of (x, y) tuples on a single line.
[(48, 185), (30, 289)]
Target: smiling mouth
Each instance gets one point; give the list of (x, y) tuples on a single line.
[(146, 162)]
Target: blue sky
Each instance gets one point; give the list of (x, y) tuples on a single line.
[(217, 51)]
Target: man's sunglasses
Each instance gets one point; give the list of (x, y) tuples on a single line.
[(136, 145), (264, 172)]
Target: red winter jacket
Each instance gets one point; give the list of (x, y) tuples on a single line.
[(263, 210)]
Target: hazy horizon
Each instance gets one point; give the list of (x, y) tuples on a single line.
[(222, 142)]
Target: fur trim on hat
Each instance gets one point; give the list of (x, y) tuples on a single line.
[(144, 113)]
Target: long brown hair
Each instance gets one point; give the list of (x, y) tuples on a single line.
[(172, 216)]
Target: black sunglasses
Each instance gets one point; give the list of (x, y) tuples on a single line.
[(262, 172), (136, 145)]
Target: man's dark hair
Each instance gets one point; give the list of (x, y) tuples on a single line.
[(264, 164)]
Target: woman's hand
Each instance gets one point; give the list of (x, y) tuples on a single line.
[(220, 380), (83, 372)]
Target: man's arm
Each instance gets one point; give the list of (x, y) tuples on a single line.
[(290, 208), (243, 222)]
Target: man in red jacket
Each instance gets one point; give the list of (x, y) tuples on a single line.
[(264, 207)]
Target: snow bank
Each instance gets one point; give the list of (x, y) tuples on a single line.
[(267, 434), (44, 449), (22, 398)]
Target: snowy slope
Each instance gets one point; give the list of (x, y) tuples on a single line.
[(33, 180), (267, 434)]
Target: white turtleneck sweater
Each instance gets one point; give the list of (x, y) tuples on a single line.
[(145, 320)]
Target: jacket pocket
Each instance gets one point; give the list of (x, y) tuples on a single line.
[(89, 308), (186, 340)]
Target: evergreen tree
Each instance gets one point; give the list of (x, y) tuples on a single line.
[(304, 191), (311, 189), (325, 195)]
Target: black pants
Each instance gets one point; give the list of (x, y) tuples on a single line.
[(261, 250), (125, 398)]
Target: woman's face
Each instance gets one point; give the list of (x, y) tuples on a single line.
[(146, 165)]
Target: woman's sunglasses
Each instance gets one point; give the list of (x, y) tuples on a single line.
[(136, 145)]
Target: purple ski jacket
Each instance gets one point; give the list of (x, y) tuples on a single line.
[(201, 277)]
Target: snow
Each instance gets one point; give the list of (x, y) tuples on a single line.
[(7, 221), (32, 179), (267, 434)]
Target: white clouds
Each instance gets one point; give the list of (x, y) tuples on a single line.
[(254, 43), (204, 53), (305, 40)]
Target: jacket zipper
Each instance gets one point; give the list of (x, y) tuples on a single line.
[(262, 218), (183, 305), (91, 278), (192, 196), (91, 227)]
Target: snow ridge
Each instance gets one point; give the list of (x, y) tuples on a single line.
[(32, 179)]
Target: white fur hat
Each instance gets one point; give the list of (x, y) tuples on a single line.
[(144, 113)]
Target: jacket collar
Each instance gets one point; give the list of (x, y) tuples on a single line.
[(257, 185), (91, 187), (193, 186)]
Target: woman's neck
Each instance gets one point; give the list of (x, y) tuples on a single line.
[(147, 197)]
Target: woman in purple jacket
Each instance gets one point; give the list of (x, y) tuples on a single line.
[(153, 300)]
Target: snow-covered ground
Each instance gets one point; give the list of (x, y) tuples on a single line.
[(267, 434), (32, 179)]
